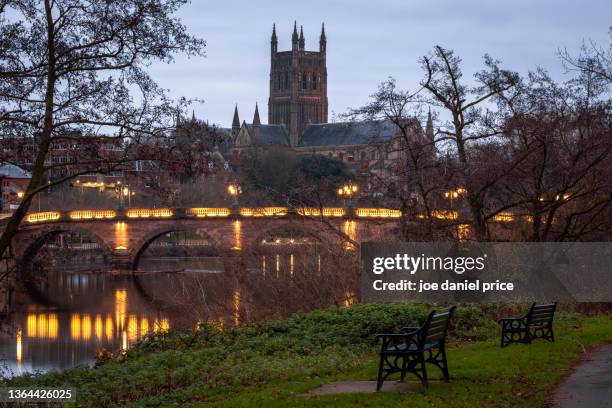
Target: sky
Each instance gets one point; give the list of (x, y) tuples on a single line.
[(367, 42)]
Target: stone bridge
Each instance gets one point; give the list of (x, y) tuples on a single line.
[(123, 235)]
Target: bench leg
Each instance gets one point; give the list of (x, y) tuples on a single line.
[(404, 367), (423, 370), (444, 365), (552, 335), (380, 380)]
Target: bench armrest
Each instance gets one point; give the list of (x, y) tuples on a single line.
[(392, 341), (394, 335), (510, 319), (410, 329)]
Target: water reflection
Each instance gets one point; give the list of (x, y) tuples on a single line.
[(51, 337), (182, 281)]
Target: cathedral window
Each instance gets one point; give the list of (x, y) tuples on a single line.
[(314, 81), (304, 81)]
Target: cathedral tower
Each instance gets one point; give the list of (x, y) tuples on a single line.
[(298, 84)]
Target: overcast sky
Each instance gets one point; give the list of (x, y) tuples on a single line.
[(367, 41)]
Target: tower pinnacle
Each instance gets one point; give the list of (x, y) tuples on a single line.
[(256, 120), (322, 39), (294, 36), (235, 122), (429, 131), (274, 40), (302, 40)]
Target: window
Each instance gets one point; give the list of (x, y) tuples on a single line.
[(314, 81), (341, 156), (286, 80), (304, 81), (363, 156)]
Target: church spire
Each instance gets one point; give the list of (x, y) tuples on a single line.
[(256, 123), (429, 131), (274, 40), (302, 40), (193, 118), (235, 122), (322, 39), (294, 36), (256, 120)]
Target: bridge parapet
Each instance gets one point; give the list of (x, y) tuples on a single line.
[(211, 212)]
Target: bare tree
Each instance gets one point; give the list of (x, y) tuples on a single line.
[(75, 67), (472, 119), (415, 179), (593, 59), (563, 186)]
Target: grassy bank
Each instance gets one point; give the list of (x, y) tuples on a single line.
[(273, 363)]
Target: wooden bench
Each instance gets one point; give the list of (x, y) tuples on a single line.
[(405, 352), (536, 324)]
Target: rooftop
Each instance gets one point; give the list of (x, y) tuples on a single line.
[(12, 171), (347, 133)]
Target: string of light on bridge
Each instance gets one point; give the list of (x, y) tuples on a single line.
[(248, 212), (211, 212)]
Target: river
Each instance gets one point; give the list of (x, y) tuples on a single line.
[(64, 318)]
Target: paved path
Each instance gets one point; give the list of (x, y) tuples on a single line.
[(366, 387), (590, 382)]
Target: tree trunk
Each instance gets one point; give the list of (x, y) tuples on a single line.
[(43, 145)]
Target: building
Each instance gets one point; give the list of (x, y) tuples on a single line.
[(297, 116), (298, 84), (14, 181), (256, 134)]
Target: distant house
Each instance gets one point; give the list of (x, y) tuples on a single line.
[(14, 183)]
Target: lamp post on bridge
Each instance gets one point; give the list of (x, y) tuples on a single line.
[(234, 190), (347, 192), (454, 194)]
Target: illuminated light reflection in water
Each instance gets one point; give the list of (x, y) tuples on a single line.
[(61, 336), (77, 313)]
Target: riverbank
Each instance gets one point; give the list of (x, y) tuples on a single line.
[(274, 363)]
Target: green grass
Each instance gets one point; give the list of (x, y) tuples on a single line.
[(274, 363)]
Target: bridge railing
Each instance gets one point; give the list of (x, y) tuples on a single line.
[(211, 212), (350, 213)]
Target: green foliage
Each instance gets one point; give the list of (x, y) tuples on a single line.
[(319, 167), (282, 174)]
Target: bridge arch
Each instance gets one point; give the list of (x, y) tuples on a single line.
[(321, 232), (37, 239), (142, 244)]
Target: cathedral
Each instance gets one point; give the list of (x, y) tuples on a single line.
[(298, 113)]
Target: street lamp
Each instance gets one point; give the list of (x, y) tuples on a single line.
[(20, 194), (127, 193), (234, 190), (347, 192), (454, 194)]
